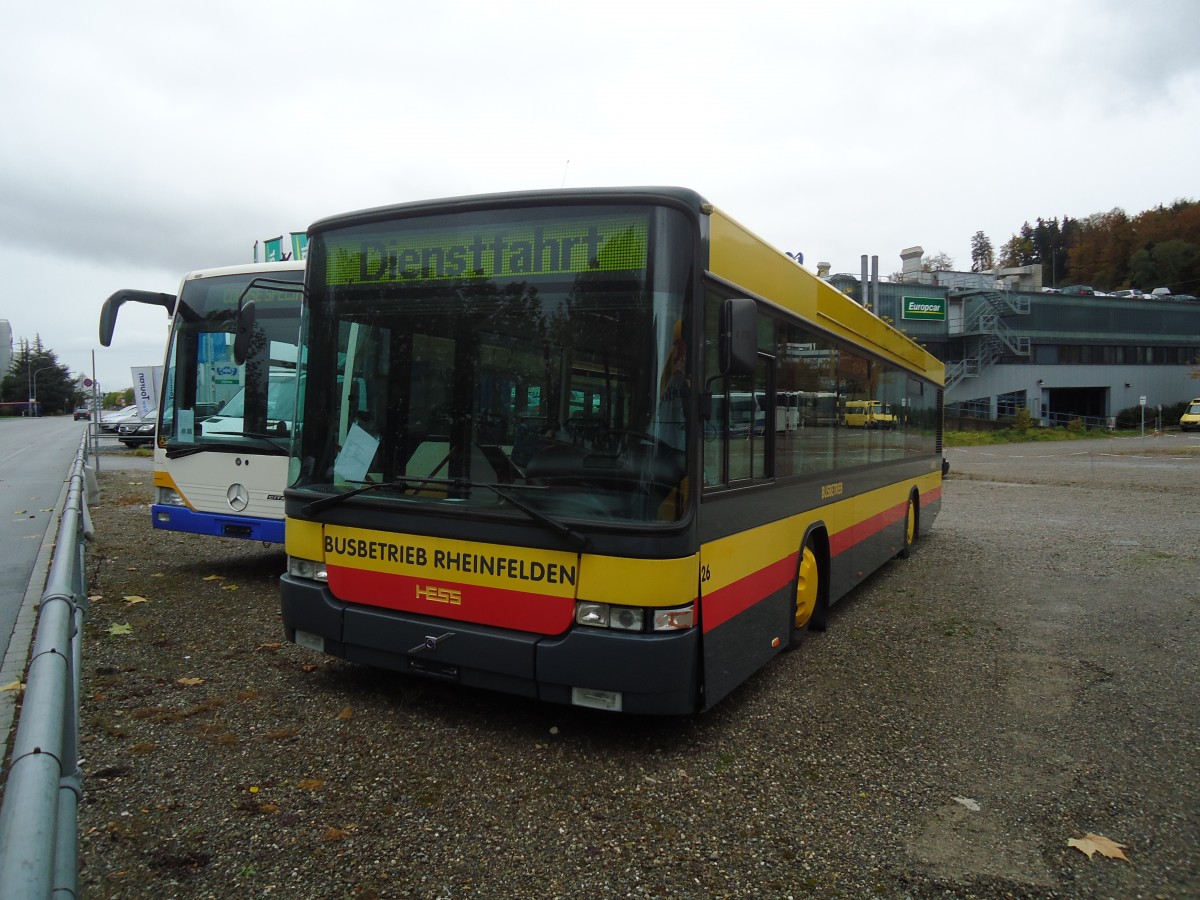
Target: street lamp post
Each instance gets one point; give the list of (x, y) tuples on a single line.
[(33, 387)]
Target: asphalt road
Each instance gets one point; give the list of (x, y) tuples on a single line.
[(35, 460)]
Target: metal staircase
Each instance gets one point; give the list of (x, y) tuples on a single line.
[(988, 336)]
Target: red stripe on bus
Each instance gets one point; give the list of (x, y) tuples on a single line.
[(734, 599), (860, 531), (519, 610), (931, 496)]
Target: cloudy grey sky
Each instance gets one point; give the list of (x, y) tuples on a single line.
[(141, 140)]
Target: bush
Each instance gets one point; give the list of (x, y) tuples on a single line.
[(1131, 417)]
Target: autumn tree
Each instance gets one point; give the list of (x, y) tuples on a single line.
[(1110, 250), (1019, 249), (937, 262)]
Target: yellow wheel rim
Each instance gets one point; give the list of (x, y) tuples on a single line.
[(807, 585), (910, 527)]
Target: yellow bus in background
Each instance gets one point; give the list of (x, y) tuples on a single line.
[(868, 414)]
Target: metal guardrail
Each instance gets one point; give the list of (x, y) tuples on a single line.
[(39, 840)]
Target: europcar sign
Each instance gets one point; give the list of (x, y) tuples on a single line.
[(927, 308)]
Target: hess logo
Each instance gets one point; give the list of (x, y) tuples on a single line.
[(436, 594)]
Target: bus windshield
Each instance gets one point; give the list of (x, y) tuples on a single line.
[(516, 360), (209, 401)]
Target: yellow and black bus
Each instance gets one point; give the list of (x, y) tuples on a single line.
[(516, 467)]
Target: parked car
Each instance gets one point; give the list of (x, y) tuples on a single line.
[(1161, 292), (1130, 294), (1188, 297), (82, 412), (138, 432), (111, 421), (1079, 290)]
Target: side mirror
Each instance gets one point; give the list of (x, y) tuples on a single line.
[(737, 345), (108, 312), (244, 331)]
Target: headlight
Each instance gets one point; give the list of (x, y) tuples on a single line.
[(311, 569), (633, 618), (605, 615), (168, 497)]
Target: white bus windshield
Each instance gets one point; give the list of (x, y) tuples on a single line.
[(533, 358), (203, 382)]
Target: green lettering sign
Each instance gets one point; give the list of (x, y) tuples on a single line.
[(599, 244)]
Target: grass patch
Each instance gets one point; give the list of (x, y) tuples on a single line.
[(1016, 436)]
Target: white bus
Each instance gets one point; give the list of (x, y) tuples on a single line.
[(224, 430)]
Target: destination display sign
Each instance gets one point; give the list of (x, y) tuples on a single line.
[(545, 247)]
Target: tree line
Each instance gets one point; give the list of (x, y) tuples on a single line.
[(1109, 251), (35, 372)]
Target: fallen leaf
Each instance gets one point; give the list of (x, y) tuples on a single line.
[(190, 682), (124, 628), (19, 512), (334, 834), (134, 599), (273, 645), (13, 686), (1097, 843), (310, 784), (214, 578), (345, 715), (967, 802), (229, 587), (310, 667)]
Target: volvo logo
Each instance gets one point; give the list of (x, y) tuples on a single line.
[(237, 497), (431, 642)]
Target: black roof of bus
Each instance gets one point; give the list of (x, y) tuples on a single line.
[(674, 196)]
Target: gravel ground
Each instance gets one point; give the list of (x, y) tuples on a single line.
[(1027, 677)]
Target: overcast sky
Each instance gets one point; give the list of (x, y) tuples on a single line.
[(141, 141)]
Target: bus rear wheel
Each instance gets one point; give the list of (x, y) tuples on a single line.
[(910, 527), (808, 595)]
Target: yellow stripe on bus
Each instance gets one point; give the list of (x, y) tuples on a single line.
[(639, 582)]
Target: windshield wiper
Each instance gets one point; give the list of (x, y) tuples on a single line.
[(577, 540), (176, 451), (315, 506)]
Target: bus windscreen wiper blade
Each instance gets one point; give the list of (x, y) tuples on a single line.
[(579, 541), (177, 451), (315, 506)]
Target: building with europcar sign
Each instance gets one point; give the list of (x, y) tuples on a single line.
[(1061, 357)]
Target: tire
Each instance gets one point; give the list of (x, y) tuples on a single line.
[(910, 527), (807, 611)]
